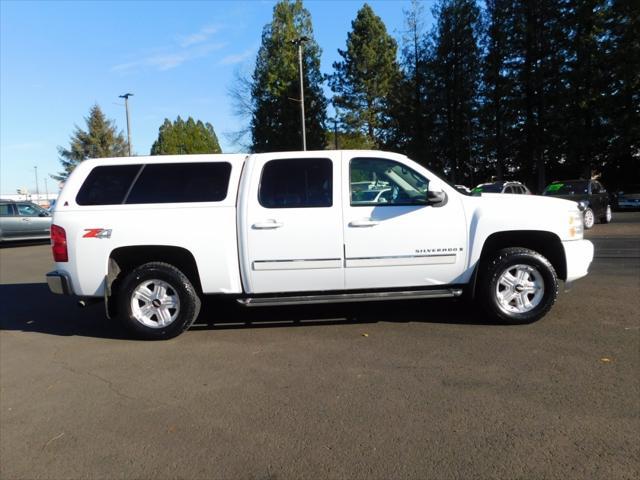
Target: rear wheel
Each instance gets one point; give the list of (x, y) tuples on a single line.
[(157, 301), (518, 285), (606, 218)]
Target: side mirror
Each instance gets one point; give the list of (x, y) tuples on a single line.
[(436, 198)]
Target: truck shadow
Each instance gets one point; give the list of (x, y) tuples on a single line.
[(32, 308)]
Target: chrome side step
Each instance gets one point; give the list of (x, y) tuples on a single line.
[(348, 297)]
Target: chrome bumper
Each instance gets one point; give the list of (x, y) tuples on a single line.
[(59, 283)]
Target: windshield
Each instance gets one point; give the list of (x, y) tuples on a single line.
[(488, 188), (579, 187)]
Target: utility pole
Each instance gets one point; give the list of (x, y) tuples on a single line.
[(37, 189), (46, 189), (335, 131), (126, 107), (299, 41)]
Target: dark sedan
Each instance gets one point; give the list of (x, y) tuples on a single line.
[(590, 194)]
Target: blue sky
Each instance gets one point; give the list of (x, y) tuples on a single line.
[(178, 58)]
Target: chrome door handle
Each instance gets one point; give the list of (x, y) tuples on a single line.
[(25, 220), (268, 225), (363, 223)]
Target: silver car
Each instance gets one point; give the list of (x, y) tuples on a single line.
[(23, 221)]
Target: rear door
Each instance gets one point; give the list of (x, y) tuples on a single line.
[(9, 222), (291, 219)]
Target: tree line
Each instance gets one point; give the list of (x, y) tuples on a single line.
[(534, 90)]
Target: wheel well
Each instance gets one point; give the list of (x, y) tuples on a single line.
[(545, 243), (125, 259)]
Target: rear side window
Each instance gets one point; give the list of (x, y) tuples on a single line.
[(155, 183), (297, 183), (181, 182), (6, 210), (107, 185)]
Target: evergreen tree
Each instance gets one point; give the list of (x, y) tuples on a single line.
[(497, 90), (275, 89), (622, 92), (584, 125), (180, 137), (409, 115), (365, 77), (538, 61), (99, 140), (456, 64)]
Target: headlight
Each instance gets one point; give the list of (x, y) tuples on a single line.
[(576, 225)]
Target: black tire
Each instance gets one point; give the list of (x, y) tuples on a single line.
[(179, 285), (606, 218), (589, 218), (507, 259)]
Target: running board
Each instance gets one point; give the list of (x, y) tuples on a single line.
[(348, 297)]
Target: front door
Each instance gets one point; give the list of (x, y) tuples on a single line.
[(393, 238), (294, 224), (34, 221)]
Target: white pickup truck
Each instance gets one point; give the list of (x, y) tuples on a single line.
[(152, 235)]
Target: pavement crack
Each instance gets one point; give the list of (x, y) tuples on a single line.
[(108, 382)]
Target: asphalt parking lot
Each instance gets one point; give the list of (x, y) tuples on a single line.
[(395, 390)]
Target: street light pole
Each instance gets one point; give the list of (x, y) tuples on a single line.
[(299, 41), (126, 107), (37, 189)]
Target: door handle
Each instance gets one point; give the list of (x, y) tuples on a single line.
[(25, 219), (268, 225), (363, 223)]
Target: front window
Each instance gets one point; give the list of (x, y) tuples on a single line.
[(488, 188), (29, 210), (376, 181)]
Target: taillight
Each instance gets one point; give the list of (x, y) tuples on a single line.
[(59, 244)]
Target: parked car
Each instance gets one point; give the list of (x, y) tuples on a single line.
[(152, 236), (502, 187), (627, 198), (23, 221), (589, 194), (463, 189), (372, 196)]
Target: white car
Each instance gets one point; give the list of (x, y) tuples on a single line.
[(153, 235), (503, 187)]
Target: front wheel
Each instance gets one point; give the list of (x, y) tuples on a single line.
[(518, 286), (157, 301), (589, 218)]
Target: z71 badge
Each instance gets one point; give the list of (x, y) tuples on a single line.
[(97, 233)]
